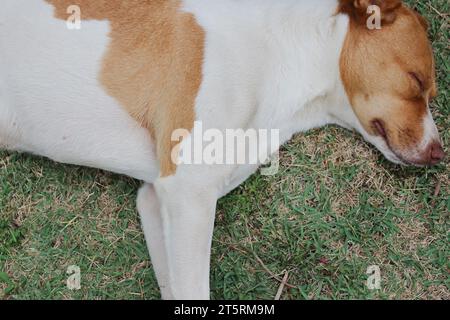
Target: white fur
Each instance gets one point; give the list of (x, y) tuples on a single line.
[(269, 64)]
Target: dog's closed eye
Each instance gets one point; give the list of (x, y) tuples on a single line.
[(418, 79)]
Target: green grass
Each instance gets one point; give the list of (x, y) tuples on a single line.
[(335, 208)]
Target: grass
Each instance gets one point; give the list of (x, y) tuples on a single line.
[(336, 208)]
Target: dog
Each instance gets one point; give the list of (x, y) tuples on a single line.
[(106, 84)]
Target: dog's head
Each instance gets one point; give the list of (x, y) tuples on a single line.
[(389, 77)]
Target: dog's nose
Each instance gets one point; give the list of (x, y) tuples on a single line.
[(436, 153)]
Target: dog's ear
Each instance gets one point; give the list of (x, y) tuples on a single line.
[(422, 20), (359, 10)]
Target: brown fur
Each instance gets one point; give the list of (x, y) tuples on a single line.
[(153, 66), (357, 9), (378, 68)]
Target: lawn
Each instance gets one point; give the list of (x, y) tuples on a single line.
[(335, 208)]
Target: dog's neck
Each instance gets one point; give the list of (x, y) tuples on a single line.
[(286, 51), (306, 40)]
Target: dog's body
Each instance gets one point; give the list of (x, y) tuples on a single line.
[(244, 65)]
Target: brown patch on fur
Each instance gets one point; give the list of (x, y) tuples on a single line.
[(357, 9), (389, 74), (153, 66)]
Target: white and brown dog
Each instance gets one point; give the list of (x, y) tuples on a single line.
[(111, 93)]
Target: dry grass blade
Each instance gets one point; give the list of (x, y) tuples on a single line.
[(273, 275), (282, 285)]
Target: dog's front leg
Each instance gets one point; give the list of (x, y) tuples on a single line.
[(152, 224), (188, 211)]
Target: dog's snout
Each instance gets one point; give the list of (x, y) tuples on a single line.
[(435, 153)]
